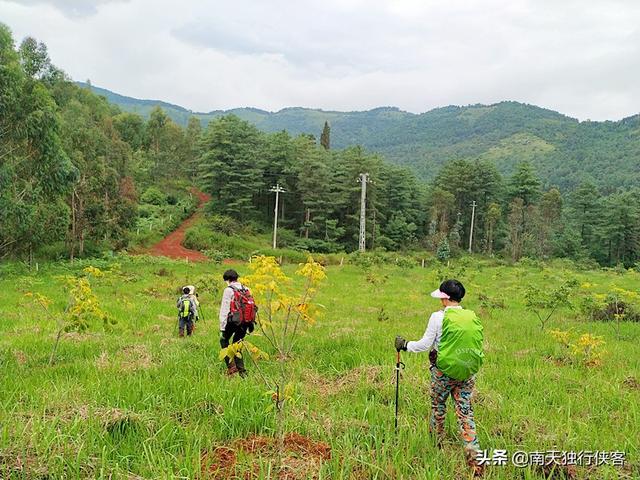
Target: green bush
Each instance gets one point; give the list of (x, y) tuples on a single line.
[(220, 246), (287, 238), (146, 211), (223, 224), (153, 196), (531, 263), (314, 245), (216, 256)]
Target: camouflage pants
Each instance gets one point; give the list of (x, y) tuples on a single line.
[(442, 387)]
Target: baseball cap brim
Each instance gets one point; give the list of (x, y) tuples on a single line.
[(439, 294)]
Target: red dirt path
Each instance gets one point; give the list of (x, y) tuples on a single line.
[(171, 245)]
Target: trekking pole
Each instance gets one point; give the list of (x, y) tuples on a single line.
[(200, 311), (399, 366)]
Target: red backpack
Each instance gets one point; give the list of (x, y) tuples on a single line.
[(243, 306)]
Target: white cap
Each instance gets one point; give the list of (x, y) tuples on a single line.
[(439, 294)]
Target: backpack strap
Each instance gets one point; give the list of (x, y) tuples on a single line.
[(242, 288)]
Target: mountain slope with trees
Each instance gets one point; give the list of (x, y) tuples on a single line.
[(565, 152), (79, 176)]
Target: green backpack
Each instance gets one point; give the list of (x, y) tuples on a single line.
[(186, 310), (460, 349)]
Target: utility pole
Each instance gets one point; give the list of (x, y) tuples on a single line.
[(473, 216), (278, 190), (364, 179)]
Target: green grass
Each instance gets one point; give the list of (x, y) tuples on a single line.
[(137, 402)]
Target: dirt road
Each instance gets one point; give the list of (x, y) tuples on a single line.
[(171, 245)]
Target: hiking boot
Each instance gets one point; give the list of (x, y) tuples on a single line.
[(471, 456), (232, 370)]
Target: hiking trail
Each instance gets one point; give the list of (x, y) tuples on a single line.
[(171, 245)]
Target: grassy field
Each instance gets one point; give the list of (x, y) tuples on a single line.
[(135, 401)]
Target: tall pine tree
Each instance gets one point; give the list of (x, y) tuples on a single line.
[(325, 137)]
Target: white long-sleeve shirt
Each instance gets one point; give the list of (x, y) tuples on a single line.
[(432, 334), (225, 305)]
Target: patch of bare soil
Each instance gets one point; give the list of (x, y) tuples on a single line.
[(302, 458)]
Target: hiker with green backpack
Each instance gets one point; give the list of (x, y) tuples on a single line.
[(187, 309), (453, 339)]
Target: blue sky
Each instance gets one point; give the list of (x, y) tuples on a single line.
[(580, 57)]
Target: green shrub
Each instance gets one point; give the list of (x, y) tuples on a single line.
[(287, 238), (444, 252), (216, 256), (531, 263), (315, 245), (405, 262), (223, 224), (153, 196), (146, 211)]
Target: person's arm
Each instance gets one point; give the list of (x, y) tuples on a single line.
[(433, 331), (225, 307)]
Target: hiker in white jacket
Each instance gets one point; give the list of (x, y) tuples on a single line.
[(229, 329)]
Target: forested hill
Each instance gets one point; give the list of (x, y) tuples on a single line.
[(564, 151)]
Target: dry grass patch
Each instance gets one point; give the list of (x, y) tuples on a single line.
[(375, 375), (129, 358)]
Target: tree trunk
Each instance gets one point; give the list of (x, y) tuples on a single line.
[(373, 233)]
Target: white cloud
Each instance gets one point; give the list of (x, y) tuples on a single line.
[(578, 57), (72, 8)]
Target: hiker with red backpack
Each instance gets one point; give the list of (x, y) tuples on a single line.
[(453, 338), (237, 318)]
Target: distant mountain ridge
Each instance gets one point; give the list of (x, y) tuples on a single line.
[(564, 151)]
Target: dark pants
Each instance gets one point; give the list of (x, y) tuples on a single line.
[(185, 322), (238, 333)]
